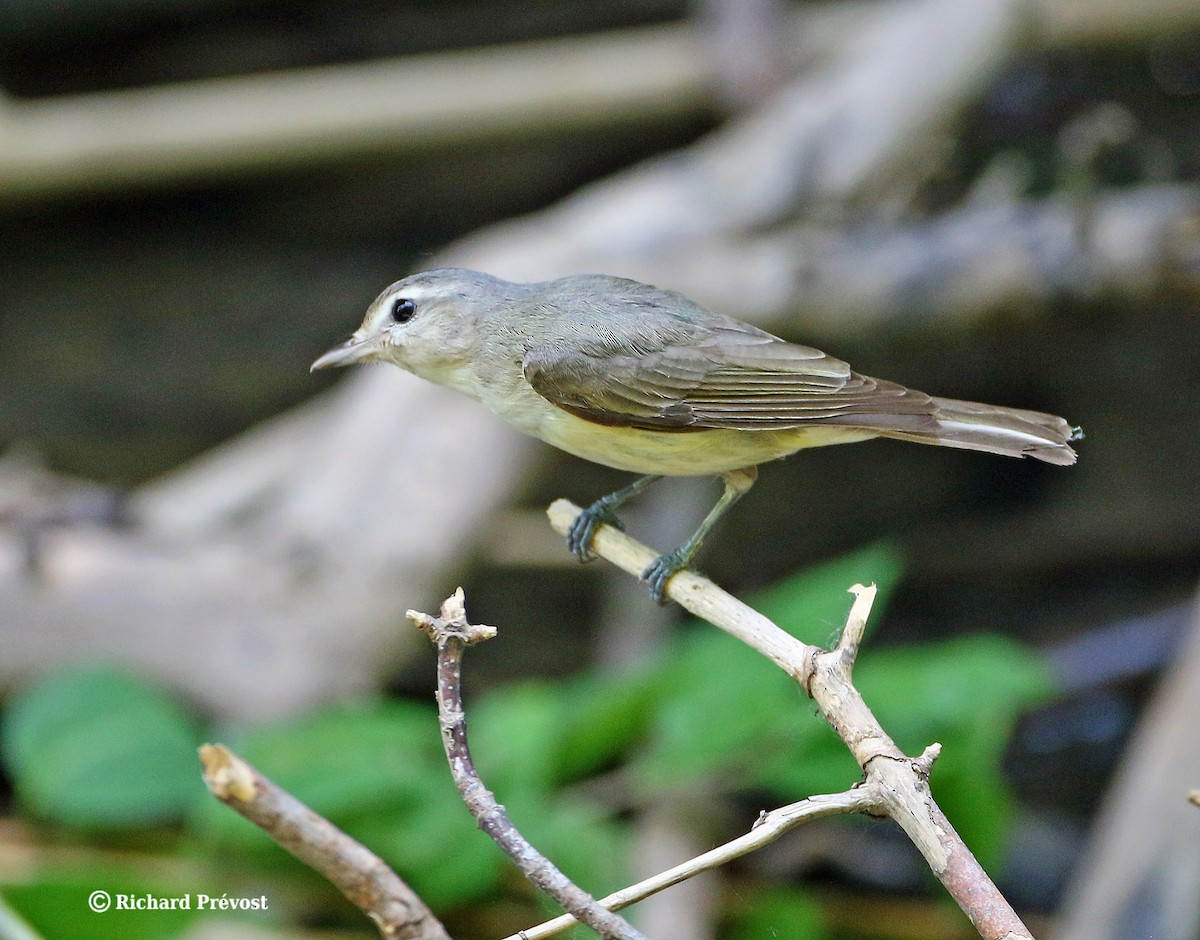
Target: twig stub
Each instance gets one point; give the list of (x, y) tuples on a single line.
[(453, 634), (452, 624)]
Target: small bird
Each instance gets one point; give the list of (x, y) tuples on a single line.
[(642, 379)]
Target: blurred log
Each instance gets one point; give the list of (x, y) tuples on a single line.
[(269, 574), (1089, 22), (266, 576), (277, 563), (216, 127), (860, 131), (961, 266), (220, 126), (1141, 876), (748, 44)]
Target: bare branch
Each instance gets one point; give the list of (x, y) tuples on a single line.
[(324, 115), (766, 829), (698, 596), (453, 634), (358, 873), (1143, 843), (900, 782)]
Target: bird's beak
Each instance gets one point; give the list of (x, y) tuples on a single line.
[(350, 352)]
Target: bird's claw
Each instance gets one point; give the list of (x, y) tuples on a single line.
[(583, 529), (660, 571)]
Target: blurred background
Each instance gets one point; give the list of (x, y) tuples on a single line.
[(984, 199)]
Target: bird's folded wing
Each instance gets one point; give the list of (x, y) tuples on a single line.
[(728, 379)]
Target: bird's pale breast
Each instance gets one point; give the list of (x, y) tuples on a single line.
[(684, 453)]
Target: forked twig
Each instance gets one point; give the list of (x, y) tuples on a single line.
[(767, 828), (453, 634)]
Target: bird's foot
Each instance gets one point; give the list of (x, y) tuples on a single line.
[(583, 529), (662, 569)]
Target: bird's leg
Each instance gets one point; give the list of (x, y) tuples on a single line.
[(737, 484), (602, 512)]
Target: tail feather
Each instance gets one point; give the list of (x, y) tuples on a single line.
[(1013, 432)]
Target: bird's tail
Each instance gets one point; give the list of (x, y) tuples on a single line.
[(1013, 432)]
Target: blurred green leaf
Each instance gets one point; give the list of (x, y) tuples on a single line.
[(514, 735), (812, 604), (583, 839), (721, 703), (339, 759), (802, 764), (986, 677), (603, 715), (780, 914), (517, 735), (12, 925), (95, 746), (730, 717), (376, 770), (727, 710), (55, 904), (965, 694), (433, 842)]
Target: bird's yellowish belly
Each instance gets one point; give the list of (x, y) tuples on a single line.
[(685, 453)]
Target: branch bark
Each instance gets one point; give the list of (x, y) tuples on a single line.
[(901, 782), (452, 634), (894, 784), (361, 875), (767, 828)]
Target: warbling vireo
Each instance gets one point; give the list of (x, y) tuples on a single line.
[(642, 379)]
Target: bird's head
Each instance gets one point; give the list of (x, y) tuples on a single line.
[(426, 323)]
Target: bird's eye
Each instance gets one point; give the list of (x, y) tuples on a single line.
[(403, 310)]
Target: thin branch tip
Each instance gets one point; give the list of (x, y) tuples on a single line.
[(422, 622), (226, 775), (856, 620)]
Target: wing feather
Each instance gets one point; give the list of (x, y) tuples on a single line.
[(731, 376)]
